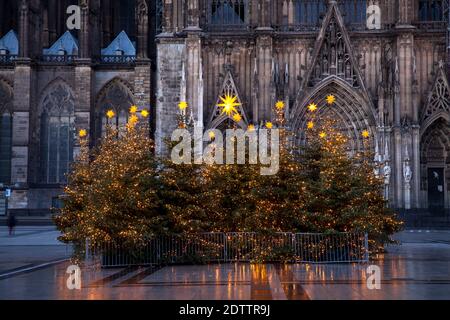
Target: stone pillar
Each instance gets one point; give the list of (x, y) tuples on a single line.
[(168, 16), (193, 14), (171, 52), (142, 28), (264, 56), (21, 134), (83, 96), (142, 83), (84, 32), (24, 29)]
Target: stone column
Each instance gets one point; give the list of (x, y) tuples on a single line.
[(24, 29), (264, 56), (21, 134), (142, 28), (83, 96), (84, 32), (171, 53)]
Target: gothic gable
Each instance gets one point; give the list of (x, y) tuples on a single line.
[(439, 98), (219, 114), (333, 54)]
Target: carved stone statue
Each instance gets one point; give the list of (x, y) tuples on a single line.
[(387, 173)]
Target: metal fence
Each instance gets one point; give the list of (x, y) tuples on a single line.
[(240, 247)]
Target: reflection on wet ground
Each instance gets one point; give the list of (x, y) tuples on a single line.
[(413, 270)]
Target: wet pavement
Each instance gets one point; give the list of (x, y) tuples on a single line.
[(419, 268)]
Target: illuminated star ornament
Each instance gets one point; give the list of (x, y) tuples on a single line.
[(366, 134), (133, 109), (251, 127), (229, 105), (212, 135), (310, 125), (82, 133), (331, 99), (183, 105), (110, 114), (237, 117), (269, 125), (312, 107), (144, 113), (323, 135), (279, 105)]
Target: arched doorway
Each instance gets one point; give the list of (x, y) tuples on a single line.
[(352, 114), (435, 166)]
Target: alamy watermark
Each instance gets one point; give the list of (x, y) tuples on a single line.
[(263, 148)]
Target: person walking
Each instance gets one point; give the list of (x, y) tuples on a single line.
[(12, 222)]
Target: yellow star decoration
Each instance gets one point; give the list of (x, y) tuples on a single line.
[(133, 109), (145, 113), (229, 104), (323, 135), (366, 134), (237, 117), (110, 114), (183, 105), (269, 125), (279, 105), (312, 107), (133, 120), (331, 99), (212, 135), (310, 125), (82, 133), (251, 127)]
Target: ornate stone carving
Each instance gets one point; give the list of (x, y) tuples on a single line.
[(228, 89), (439, 98)]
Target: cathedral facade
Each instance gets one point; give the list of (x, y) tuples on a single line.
[(386, 62)]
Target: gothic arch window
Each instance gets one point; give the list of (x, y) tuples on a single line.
[(431, 10), (57, 133), (6, 98), (228, 12), (350, 112), (115, 96)]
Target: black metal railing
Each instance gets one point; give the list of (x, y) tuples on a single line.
[(238, 247), (7, 59), (57, 58), (117, 59)]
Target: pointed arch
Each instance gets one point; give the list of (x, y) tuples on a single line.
[(116, 95), (334, 70), (351, 110), (218, 117), (333, 53), (57, 98), (57, 131), (438, 103), (435, 163)]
